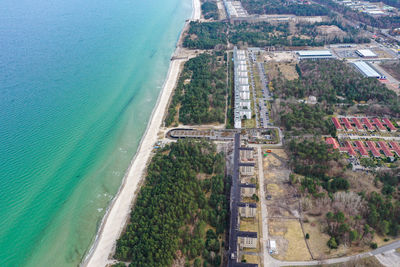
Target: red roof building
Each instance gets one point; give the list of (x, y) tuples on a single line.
[(379, 124), (374, 150), (385, 148), (395, 147), (348, 125), (389, 124), (337, 124), (332, 141), (358, 124), (360, 147), (368, 124), (350, 149)]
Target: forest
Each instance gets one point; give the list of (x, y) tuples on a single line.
[(210, 35), (314, 159), (350, 217), (334, 81), (283, 7), (206, 35), (181, 211), (301, 118), (200, 95), (209, 10)]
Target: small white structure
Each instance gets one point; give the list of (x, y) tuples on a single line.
[(272, 246)]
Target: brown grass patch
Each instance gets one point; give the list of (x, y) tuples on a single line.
[(290, 240)]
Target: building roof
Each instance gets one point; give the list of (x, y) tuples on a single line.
[(347, 124), (366, 53), (247, 234), (314, 53), (244, 204), (389, 124), (378, 124), (337, 123), (358, 124), (248, 185), (367, 123), (350, 148), (244, 264), (366, 69), (374, 150), (395, 146), (385, 148), (250, 164), (332, 141), (360, 146), (246, 148)]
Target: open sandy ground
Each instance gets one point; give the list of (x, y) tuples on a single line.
[(118, 212)]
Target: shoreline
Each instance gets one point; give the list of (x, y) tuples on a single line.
[(117, 214)]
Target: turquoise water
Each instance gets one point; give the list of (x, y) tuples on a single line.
[(78, 82)]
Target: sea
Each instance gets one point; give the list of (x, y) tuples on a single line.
[(78, 82)]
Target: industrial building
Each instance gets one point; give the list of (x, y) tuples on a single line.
[(314, 54), (242, 102), (366, 53), (367, 70)]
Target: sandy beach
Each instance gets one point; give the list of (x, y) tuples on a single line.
[(118, 212)]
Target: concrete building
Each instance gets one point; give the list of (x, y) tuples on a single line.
[(247, 239), (246, 168), (246, 154), (247, 190), (234, 9), (242, 102), (367, 70), (247, 210)]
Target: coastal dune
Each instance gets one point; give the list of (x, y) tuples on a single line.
[(117, 215)]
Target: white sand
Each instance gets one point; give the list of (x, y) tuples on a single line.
[(118, 212)]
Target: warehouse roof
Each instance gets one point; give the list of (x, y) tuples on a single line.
[(366, 53), (366, 69), (311, 53)]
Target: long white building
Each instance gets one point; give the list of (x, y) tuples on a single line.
[(367, 70), (242, 102)]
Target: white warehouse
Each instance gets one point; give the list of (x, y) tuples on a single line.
[(367, 70)]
